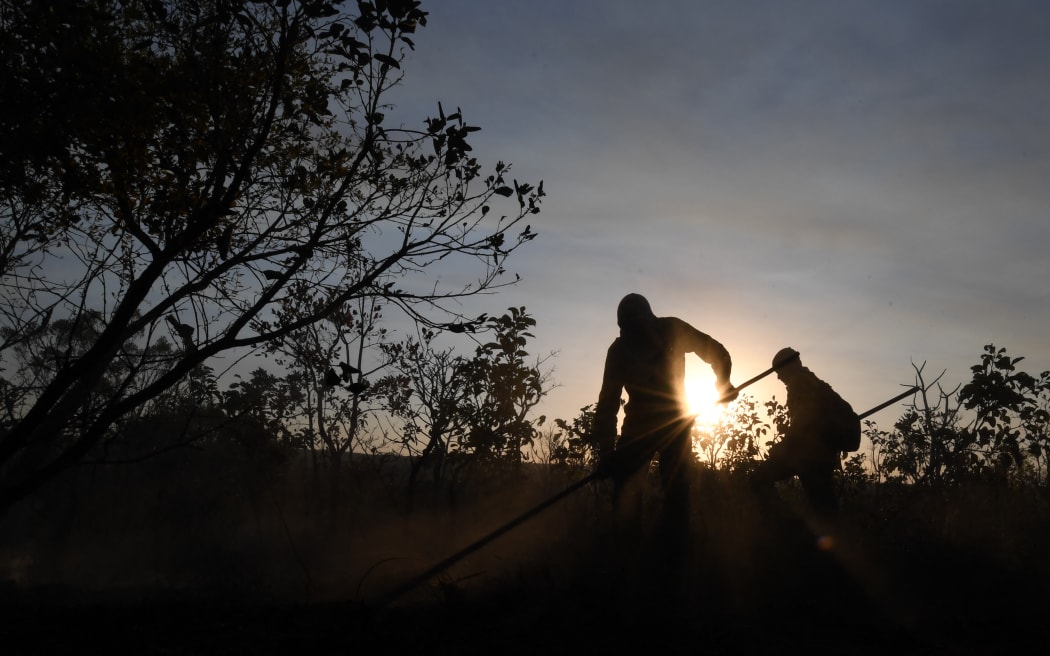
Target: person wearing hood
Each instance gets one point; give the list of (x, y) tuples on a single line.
[(647, 361)]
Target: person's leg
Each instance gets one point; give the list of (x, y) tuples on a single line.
[(629, 483), (629, 497), (764, 477), (825, 567), (819, 486), (675, 477), (625, 544)]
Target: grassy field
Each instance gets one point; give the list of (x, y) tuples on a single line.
[(963, 571)]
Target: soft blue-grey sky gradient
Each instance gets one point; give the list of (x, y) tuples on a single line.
[(868, 182)]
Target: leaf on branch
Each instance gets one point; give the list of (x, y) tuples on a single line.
[(185, 331), (359, 386), (435, 125), (331, 378), (366, 23), (503, 191), (386, 59), (348, 370)]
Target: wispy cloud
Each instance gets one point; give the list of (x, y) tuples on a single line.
[(866, 181)]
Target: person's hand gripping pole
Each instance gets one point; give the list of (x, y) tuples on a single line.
[(729, 393)]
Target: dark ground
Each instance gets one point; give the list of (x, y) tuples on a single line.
[(910, 572), (906, 598)]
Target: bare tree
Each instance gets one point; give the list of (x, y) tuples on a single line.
[(178, 168), (924, 441)]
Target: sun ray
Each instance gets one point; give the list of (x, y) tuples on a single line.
[(702, 396)]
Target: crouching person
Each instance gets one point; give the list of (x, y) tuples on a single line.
[(821, 425)]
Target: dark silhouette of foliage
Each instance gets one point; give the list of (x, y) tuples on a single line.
[(502, 388), (1001, 397), (993, 427), (572, 443), (180, 169), (272, 402), (738, 438), (424, 391)]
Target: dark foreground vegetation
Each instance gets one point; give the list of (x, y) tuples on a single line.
[(194, 564)]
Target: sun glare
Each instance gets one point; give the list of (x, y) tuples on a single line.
[(702, 397)]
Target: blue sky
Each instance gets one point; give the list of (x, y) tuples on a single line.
[(867, 182)]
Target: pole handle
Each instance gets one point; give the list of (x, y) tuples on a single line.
[(903, 395), (754, 379), (423, 577)]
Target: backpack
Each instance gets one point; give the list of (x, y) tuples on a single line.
[(849, 432), (844, 425), (826, 411)]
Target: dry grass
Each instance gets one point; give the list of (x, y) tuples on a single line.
[(909, 572)]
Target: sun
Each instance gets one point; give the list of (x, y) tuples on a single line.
[(702, 396)]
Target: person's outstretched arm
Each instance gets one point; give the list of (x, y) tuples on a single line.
[(710, 350)]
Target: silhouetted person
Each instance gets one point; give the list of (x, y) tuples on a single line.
[(648, 361), (818, 422)]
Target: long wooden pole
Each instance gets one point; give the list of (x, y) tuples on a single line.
[(903, 395), (437, 568)]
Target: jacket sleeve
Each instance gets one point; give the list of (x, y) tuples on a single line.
[(708, 349), (608, 408)]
